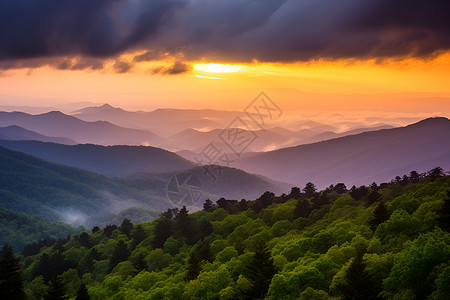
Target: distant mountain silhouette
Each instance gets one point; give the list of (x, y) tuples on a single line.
[(162, 121), (18, 133), (219, 181), (116, 161), (328, 135), (58, 124), (269, 139), (358, 159)]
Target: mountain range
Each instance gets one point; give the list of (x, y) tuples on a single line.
[(113, 161), (57, 192), (358, 159), (57, 124), (15, 132)]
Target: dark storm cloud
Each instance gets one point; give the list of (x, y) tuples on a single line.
[(233, 30), (177, 68), (100, 28)]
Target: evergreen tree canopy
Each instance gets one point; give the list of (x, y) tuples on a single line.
[(11, 286)]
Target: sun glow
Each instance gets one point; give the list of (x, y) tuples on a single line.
[(218, 68)]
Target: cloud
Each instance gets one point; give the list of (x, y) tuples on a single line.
[(177, 68), (33, 33), (121, 66)]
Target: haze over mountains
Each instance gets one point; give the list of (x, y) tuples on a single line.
[(57, 192), (102, 165), (114, 161), (359, 159), (61, 125), (15, 132)]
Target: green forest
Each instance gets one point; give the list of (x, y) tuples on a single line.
[(386, 241)]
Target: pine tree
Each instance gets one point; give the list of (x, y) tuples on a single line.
[(194, 267), (302, 209), (359, 285), (340, 188), (380, 215), (208, 205), (309, 190), (82, 293), (126, 227), (444, 214), (260, 272), (120, 254), (108, 230), (56, 290), (183, 225), (373, 197), (11, 285), (163, 230), (139, 262), (295, 193), (203, 252), (138, 236)]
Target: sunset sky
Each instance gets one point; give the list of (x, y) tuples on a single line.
[(307, 55)]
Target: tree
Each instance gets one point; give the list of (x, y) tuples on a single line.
[(108, 230), (380, 215), (228, 205), (84, 240), (82, 293), (95, 229), (309, 190), (262, 202), (358, 193), (359, 284), (302, 209), (120, 254), (51, 265), (208, 205), (183, 225), (163, 230), (56, 290), (139, 235), (260, 271), (444, 214), (295, 193), (435, 173), (340, 188), (414, 177), (11, 286), (373, 197), (320, 199), (126, 227)]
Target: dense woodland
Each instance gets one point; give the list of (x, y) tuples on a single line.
[(387, 241)]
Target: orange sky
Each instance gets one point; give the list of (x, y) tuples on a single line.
[(407, 85)]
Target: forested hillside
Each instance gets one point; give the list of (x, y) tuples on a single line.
[(18, 229), (387, 241)]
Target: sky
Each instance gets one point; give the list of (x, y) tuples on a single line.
[(365, 55)]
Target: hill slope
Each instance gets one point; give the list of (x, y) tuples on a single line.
[(57, 192), (17, 133), (118, 161), (56, 123), (359, 159)]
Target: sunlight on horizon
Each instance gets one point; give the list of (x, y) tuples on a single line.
[(218, 68)]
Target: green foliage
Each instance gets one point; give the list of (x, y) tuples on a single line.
[(19, 229), (56, 290), (264, 250), (11, 286)]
